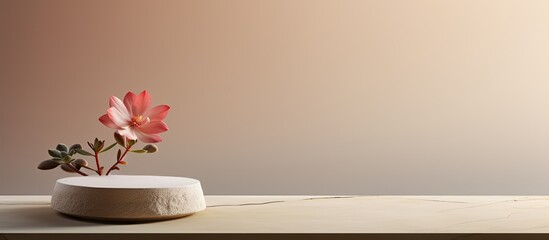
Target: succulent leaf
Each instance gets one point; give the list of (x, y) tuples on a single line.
[(109, 147), (67, 159), (62, 147), (139, 151), (54, 153), (83, 152), (48, 164), (57, 160)]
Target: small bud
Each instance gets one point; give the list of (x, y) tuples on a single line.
[(123, 162), (80, 163), (75, 146), (48, 164), (99, 146), (131, 142), (120, 139), (150, 148)]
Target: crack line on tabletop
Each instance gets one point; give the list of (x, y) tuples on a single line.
[(280, 201), (435, 200)]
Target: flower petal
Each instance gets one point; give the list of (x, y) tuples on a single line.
[(117, 118), (119, 105), (153, 127), (158, 113), (141, 103), (148, 138), (107, 121), (128, 132), (128, 101)]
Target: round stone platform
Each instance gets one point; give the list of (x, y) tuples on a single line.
[(128, 197)]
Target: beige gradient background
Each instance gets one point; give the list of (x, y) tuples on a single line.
[(288, 97)]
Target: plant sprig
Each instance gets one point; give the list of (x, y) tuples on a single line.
[(63, 155)]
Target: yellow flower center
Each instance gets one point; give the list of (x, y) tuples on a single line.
[(138, 121)]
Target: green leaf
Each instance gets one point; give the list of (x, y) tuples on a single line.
[(109, 147), (139, 151), (57, 160), (83, 152), (48, 164), (120, 139), (54, 153), (62, 147)]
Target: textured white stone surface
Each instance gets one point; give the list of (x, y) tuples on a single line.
[(127, 197)]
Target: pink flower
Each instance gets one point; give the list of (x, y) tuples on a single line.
[(133, 118)]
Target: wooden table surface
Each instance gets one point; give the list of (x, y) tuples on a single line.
[(305, 214)]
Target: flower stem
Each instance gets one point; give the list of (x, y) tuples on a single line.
[(119, 160), (89, 168), (99, 170)]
